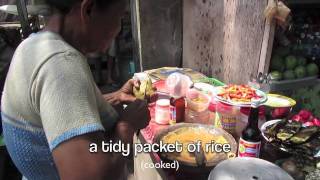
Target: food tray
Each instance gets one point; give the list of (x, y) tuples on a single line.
[(240, 104)]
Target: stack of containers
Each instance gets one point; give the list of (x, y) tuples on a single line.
[(197, 107), (227, 117)]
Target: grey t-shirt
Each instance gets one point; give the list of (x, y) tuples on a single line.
[(49, 97)]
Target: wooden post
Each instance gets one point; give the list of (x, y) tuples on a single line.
[(135, 22), (267, 46), (203, 36), (158, 32), (223, 38)]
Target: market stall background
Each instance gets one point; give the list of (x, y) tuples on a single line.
[(228, 40)]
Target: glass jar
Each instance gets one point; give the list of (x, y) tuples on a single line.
[(198, 117)]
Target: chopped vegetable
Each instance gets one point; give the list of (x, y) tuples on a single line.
[(239, 93)]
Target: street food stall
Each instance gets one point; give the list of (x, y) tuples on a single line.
[(276, 55), (287, 140)]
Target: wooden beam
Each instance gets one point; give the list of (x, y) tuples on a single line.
[(135, 22), (203, 36)]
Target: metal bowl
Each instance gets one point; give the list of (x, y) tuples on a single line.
[(199, 127), (262, 100)]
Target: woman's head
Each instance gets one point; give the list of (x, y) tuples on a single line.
[(90, 25)]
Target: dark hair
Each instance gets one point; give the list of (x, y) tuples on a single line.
[(65, 5)]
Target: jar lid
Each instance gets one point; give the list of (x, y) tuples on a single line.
[(163, 102)]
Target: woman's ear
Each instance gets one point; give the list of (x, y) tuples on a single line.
[(86, 10)]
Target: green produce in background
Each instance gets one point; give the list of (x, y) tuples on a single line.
[(312, 69), (291, 62), (289, 75), (300, 72), (301, 61), (276, 76), (308, 98), (277, 63)]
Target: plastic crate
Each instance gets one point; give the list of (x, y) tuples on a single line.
[(288, 86), (291, 89)]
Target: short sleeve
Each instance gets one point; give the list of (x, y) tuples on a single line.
[(65, 96)]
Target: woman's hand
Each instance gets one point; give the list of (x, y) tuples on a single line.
[(136, 114), (124, 95)]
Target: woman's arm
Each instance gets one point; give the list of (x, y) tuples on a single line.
[(74, 161)]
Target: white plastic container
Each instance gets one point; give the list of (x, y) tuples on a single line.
[(162, 111)]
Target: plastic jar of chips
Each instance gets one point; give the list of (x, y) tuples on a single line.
[(227, 117)]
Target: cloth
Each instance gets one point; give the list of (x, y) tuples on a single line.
[(49, 97)]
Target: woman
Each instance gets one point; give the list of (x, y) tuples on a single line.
[(51, 108)]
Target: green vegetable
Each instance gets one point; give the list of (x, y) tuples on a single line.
[(277, 64), (291, 62), (283, 136), (276, 75), (300, 72), (301, 61), (312, 69)]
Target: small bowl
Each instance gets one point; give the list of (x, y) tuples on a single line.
[(278, 106)]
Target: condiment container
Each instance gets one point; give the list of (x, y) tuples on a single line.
[(212, 110), (177, 85), (227, 117), (197, 107), (162, 111), (177, 110), (198, 117), (197, 101)]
